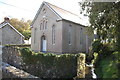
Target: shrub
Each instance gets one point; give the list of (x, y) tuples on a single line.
[(97, 46), (108, 67), (105, 50), (26, 54), (18, 45), (89, 58), (107, 61)]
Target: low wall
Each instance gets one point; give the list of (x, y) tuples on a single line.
[(9, 71), (11, 55), (65, 66)]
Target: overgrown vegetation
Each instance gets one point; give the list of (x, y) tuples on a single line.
[(51, 65), (104, 18), (106, 60), (29, 55), (107, 67), (18, 45)]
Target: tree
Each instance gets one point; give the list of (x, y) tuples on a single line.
[(104, 18), (22, 26)]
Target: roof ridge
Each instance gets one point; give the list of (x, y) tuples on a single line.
[(51, 8), (2, 23), (62, 14), (5, 23), (61, 8)]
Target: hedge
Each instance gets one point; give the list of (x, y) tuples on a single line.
[(18, 45), (49, 65)]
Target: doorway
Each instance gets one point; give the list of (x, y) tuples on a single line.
[(43, 44)]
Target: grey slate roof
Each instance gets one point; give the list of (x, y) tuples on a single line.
[(62, 14)]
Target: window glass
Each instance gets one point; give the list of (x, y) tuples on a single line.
[(40, 26), (81, 36), (69, 35), (53, 34)]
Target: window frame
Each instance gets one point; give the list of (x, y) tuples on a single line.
[(35, 35), (41, 26), (53, 34), (81, 36), (46, 24), (69, 35)]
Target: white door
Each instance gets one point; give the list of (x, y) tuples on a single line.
[(44, 46)]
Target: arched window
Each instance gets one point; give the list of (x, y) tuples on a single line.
[(40, 26), (69, 35), (44, 10), (53, 34), (46, 24), (43, 24)]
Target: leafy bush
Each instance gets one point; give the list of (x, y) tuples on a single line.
[(89, 58), (97, 46), (103, 50), (18, 45), (108, 67), (107, 61)]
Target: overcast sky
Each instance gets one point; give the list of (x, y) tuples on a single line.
[(28, 8)]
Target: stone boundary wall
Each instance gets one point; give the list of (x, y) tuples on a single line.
[(11, 55), (9, 71)]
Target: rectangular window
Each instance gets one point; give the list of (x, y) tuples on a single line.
[(81, 36), (43, 25), (34, 35), (46, 25), (69, 35), (40, 26), (53, 35)]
